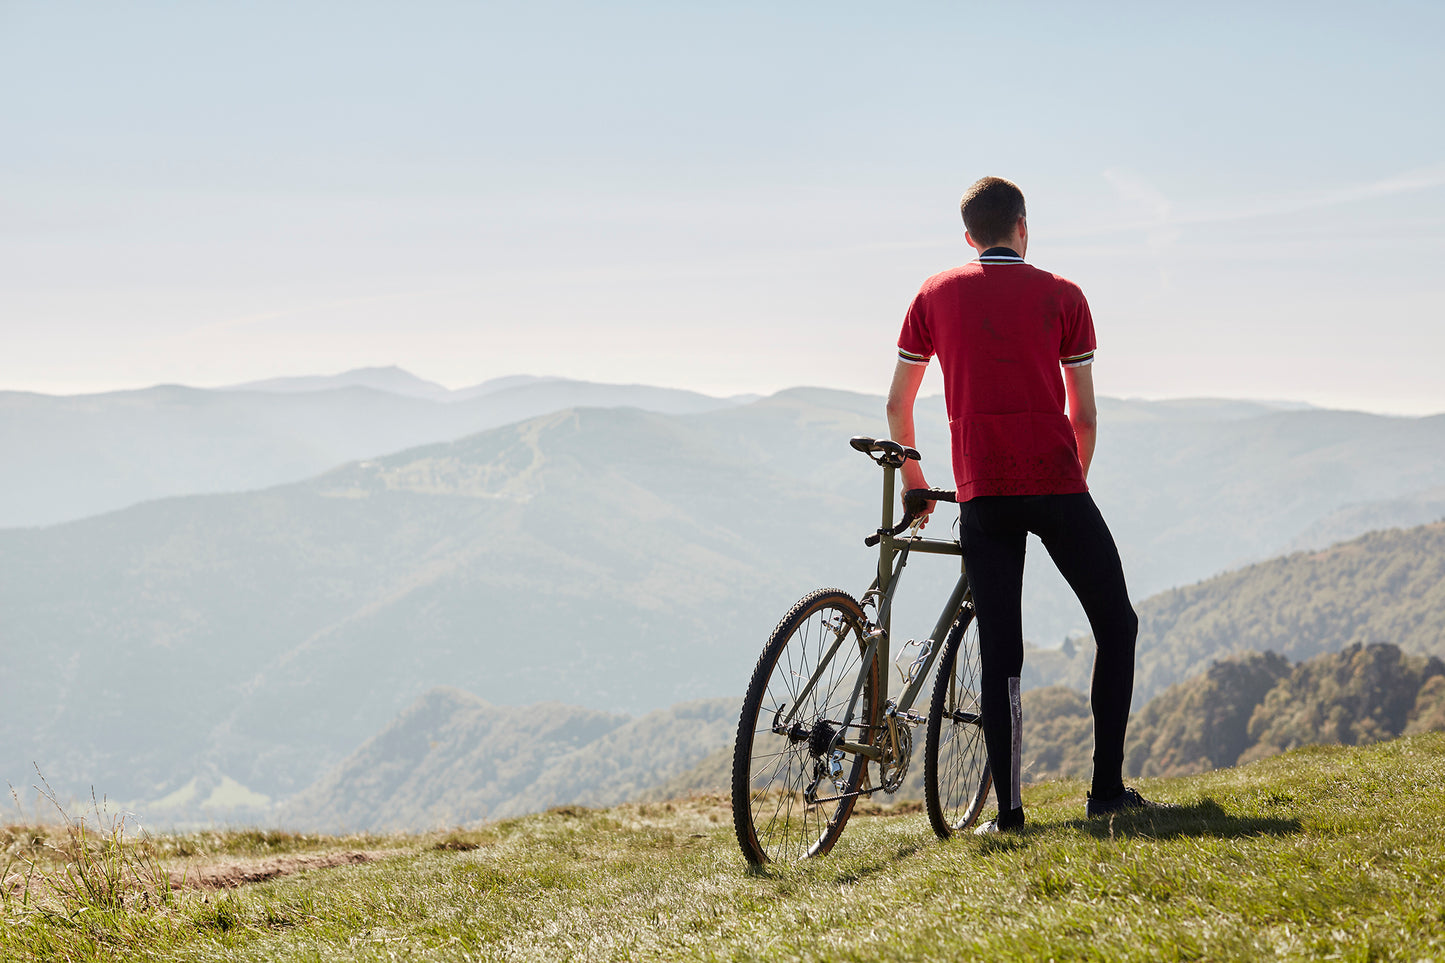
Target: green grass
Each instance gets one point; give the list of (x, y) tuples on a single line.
[(1322, 853)]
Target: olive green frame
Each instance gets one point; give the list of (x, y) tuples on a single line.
[(893, 552)]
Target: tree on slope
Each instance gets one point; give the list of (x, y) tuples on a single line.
[(1360, 695)]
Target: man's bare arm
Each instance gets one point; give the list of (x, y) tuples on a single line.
[(1083, 414), (901, 395)]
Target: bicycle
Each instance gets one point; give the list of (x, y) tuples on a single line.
[(796, 773)]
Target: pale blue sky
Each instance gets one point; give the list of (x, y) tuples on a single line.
[(728, 197)]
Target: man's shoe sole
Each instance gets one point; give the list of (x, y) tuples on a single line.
[(1127, 801)]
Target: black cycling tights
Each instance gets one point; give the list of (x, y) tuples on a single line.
[(994, 529)]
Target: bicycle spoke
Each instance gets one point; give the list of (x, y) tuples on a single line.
[(774, 819), (956, 776)]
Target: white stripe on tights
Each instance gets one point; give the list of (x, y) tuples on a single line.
[(1016, 720)]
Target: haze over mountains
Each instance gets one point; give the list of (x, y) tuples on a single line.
[(610, 558), (391, 379), (77, 455)]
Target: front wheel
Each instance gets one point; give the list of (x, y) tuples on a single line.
[(793, 790), (956, 777)]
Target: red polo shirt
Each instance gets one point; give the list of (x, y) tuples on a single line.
[(1001, 329)]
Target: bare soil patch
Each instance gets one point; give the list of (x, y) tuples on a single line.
[(231, 873)]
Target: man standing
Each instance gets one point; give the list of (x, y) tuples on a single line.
[(1015, 343)]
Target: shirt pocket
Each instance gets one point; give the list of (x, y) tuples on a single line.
[(990, 437)]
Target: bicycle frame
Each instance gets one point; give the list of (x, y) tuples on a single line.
[(893, 552)]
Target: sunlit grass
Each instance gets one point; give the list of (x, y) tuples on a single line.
[(1320, 853)]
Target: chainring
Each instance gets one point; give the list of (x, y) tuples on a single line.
[(896, 756)]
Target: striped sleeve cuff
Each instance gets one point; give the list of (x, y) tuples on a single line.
[(908, 357), (1077, 360)]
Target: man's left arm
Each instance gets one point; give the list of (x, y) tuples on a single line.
[(901, 395), (1083, 413)]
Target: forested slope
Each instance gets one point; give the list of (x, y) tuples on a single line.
[(452, 758), (1245, 708), (1382, 587), (1386, 586)]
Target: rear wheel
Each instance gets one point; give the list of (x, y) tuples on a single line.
[(792, 790), (956, 777)]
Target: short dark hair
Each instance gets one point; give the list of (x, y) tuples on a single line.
[(991, 208)]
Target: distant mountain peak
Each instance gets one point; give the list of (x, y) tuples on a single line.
[(493, 385), (390, 378)]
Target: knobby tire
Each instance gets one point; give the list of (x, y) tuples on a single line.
[(956, 777), (773, 820)]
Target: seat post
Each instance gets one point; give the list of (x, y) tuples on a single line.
[(885, 544)]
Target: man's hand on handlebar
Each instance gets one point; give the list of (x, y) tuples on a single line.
[(912, 479)]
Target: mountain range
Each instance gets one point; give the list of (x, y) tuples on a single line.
[(72, 456), (612, 558)]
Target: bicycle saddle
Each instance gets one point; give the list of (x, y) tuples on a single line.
[(889, 454)]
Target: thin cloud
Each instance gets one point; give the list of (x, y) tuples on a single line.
[(1163, 213), (1139, 192), (1403, 183), (228, 325)]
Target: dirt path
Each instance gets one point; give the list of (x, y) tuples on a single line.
[(230, 873), (226, 872)]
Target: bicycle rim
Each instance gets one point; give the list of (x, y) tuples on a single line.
[(772, 771), (956, 777)]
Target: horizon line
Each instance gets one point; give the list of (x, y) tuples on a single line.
[(253, 386)]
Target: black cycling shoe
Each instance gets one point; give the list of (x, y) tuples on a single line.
[(1126, 800)]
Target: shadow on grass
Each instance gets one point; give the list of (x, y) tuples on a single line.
[(1203, 818), (883, 861)]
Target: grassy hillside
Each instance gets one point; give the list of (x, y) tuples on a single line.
[(1320, 853)]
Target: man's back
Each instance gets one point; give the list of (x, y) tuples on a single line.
[(1000, 329)]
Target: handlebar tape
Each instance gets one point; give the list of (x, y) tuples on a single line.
[(914, 498)]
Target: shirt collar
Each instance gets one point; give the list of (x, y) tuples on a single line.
[(1000, 255)]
